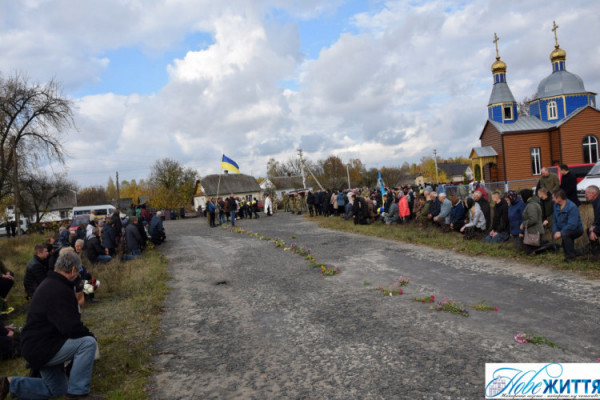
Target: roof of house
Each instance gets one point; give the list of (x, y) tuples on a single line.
[(453, 169), (486, 151), (523, 123), (230, 183), (68, 200), (285, 182)]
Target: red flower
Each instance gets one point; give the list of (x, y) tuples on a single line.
[(422, 300), (432, 297), (496, 308)]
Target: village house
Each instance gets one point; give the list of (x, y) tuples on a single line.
[(563, 125), (242, 186), (280, 185)]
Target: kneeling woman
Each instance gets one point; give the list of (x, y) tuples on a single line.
[(476, 225), (532, 223)]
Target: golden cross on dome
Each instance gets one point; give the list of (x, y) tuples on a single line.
[(496, 38), (554, 29)]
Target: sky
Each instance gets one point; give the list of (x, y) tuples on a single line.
[(383, 81)]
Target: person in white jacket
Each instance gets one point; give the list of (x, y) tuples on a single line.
[(477, 223), (268, 206)]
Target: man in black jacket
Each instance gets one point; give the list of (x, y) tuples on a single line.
[(500, 226), (52, 335), (117, 225), (37, 269), (94, 250), (568, 183), (232, 206), (134, 239)]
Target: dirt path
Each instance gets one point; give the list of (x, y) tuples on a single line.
[(277, 329)]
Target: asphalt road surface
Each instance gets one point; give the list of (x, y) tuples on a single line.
[(247, 320)]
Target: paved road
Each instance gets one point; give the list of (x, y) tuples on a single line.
[(277, 329)]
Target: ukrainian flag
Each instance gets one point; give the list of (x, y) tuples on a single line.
[(230, 165)]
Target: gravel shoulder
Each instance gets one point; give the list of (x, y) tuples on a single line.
[(277, 329)]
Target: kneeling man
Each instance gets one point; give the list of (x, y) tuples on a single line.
[(52, 335)]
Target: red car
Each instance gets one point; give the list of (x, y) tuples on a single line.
[(79, 220), (579, 170)]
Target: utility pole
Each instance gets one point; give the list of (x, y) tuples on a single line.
[(309, 170), (348, 173), (118, 193), (437, 181), (302, 168), (16, 187)]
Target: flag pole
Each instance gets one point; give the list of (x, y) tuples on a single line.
[(219, 184)]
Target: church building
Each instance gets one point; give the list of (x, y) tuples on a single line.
[(563, 125)]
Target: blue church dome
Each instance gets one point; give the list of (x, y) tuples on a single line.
[(559, 83)]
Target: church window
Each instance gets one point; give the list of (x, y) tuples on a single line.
[(592, 102), (508, 113), (552, 110), (536, 161), (590, 149)]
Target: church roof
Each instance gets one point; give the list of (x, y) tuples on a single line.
[(559, 83), (523, 123), (501, 94)]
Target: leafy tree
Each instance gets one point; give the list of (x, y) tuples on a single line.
[(333, 173), (111, 189), (133, 190), (171, 184), (92, 195), (428, 170), (369, 177)]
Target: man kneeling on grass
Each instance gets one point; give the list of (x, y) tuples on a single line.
[(54, 334)]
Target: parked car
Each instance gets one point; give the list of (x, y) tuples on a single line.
[(79, 220), (592, 178), (24, 226), (579, 170)]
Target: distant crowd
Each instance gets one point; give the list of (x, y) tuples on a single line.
[(544, 218)]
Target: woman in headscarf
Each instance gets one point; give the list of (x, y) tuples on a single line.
[(515, 214), (532, 218)]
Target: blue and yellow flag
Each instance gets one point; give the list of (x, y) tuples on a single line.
[(230, 165), (381, 185)]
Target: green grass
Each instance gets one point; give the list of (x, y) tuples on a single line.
[(125, 321), (432, 236)]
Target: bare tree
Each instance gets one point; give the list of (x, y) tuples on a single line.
[(40, 191), (32, 118), (523, 105)]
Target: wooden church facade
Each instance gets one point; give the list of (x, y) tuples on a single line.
[(563, 126)]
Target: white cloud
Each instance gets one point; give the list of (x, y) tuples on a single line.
[(413, 78)]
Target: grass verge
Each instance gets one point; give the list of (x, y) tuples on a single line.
[(434, 237), (125, 321)]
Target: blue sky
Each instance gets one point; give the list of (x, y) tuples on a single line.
[(383, 81)]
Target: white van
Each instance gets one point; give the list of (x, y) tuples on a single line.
[(24, 226), (592, 178), (101, 210)]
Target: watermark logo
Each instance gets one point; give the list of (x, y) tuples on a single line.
[(542, 381)]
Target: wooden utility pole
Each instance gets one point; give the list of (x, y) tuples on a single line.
[(16, 187), (118, 192)]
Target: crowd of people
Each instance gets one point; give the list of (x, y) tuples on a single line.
[(57, 284), (539, 220), (229, 209)]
